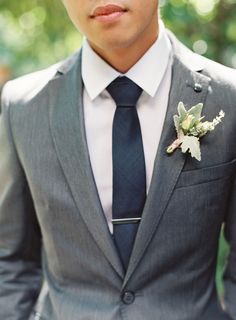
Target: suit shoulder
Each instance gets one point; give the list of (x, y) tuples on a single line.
[(222, 75), (23, 89), (219, 74), (27, 86)]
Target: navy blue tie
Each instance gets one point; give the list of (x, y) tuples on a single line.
[(129, 174)]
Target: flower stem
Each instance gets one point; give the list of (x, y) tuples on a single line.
[(175, 145)]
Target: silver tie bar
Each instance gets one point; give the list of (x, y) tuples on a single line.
[(126, 220)]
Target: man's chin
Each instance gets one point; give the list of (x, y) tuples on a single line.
[(109, 44)]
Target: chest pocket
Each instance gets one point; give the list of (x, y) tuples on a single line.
[(207, 174)]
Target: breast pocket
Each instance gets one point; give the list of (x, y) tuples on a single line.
[(199, 205), (207, 174)]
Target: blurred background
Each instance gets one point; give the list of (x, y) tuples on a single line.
[(37, 33)]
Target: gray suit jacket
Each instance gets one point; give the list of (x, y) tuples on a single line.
[(52, 226)]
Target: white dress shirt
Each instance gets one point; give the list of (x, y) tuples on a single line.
[(153, 74)]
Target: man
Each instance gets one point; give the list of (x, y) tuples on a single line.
[(97, 221)]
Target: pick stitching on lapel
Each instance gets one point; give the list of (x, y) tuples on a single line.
[(166, 168), (68, 132)]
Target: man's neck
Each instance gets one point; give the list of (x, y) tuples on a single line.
[(122, 59)]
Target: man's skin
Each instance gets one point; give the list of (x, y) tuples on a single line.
[(129, 36)]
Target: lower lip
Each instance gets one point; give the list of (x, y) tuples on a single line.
[(112, 17)]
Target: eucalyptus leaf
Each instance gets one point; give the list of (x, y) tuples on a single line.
[(192, 145), (196, 111), (177, 123), (182, 111)]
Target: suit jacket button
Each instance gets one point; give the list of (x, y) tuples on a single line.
[(197, 87), (128, 297), (37, 316)]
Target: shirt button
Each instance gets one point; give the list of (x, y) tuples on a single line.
[(197, 87), (128, 297)]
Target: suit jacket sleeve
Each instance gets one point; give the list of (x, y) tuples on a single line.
[(20, 271), (230, 271)]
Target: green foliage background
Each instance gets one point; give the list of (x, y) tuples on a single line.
[(37, 33)]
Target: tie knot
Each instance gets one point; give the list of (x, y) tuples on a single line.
[(124, 92)]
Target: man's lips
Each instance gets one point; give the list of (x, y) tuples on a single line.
[(108, 13), (107, 10)]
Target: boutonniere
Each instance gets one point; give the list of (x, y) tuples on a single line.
[(190, 129)]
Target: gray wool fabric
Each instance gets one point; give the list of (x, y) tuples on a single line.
[(57, 258)]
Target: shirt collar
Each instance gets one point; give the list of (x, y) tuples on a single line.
[(147, 72)]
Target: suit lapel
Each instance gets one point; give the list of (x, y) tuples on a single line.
[(68, 132), (167, 168)]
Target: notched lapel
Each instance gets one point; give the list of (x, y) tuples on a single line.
[(167, 168), (68, 132)]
